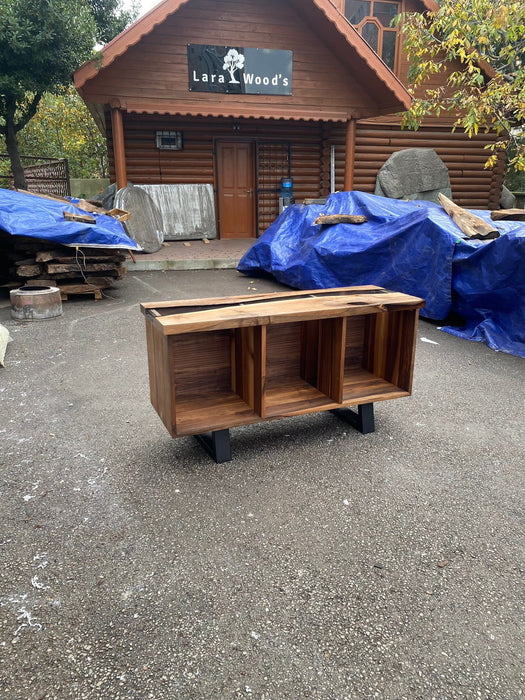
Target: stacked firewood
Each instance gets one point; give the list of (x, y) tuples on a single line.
[(75, 270), (32, 261)]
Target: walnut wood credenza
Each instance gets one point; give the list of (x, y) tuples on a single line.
[(219, 363)]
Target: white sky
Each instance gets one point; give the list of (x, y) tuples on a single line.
[(145, 5)]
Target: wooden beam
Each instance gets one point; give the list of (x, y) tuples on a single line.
[(508, 214), (119, 150), (332, 219), (350, 155), (471, 225)]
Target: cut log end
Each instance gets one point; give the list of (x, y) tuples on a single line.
[(508, 214)]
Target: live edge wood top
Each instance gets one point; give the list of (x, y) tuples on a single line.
[(186, 316)]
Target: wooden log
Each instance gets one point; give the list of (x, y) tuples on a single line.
[(58, 268), (332, 219), (47, 255), (69, 255), (29, 270), (18, 260), (508, 214), (80, 218), (67, 289), (44, 282), (90, 207), (471, 225), (82, 258), (54, 198), (116, 273)]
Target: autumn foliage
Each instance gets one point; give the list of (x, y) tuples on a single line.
[(479, 45)]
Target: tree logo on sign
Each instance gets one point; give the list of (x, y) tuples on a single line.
[(233, 61)]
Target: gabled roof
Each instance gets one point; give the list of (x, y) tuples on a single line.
[(335, 27)]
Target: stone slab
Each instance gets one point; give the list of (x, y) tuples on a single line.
[(145, 223)]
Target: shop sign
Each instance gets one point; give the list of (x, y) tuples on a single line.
[(239, 71)]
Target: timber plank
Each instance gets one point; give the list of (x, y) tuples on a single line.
[(58, 268), (180, 306), (285, 311), (200, 413)]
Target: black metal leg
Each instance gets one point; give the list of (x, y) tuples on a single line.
[(217, 443), (363, 420)]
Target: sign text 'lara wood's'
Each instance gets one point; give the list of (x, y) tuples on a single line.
[(240, 71)]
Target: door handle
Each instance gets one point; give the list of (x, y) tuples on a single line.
[(251, 192)]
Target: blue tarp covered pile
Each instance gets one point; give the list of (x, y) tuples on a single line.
[(412, 247), (28, 215)]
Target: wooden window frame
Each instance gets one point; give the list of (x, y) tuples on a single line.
[(373, 19)]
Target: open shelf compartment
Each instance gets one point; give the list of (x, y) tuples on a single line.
[(217, 378), (379, 356), (301, 373)]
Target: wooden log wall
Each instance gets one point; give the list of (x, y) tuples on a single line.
[(473, 186), (196, 162)]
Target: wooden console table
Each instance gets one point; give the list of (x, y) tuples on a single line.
[(219, 363)]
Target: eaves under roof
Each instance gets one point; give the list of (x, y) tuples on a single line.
[(335, 22)]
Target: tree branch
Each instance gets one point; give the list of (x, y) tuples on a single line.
[(28, 112)]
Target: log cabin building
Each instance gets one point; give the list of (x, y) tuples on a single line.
[(242, 93)]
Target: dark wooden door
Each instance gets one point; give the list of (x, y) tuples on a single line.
[(236, 189)]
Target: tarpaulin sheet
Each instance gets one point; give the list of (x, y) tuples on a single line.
[(412, 247), (28, 215), (488, 289)]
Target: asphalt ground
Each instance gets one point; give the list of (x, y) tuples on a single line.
[(319, 563)]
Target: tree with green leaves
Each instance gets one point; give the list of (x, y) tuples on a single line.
[(63, 128), (111, 18), (41, 44), (479, 46)]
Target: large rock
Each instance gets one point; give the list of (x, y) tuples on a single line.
[(508, 200), (414, 173), (107, 196)]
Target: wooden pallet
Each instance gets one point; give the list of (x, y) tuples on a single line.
[(67, 290)]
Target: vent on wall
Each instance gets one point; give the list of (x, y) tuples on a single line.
[(169, 140)]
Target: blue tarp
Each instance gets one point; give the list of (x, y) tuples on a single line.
[(26, 215), (412, 247), (488, 290)]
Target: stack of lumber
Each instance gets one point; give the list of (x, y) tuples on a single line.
[(33, 261)]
